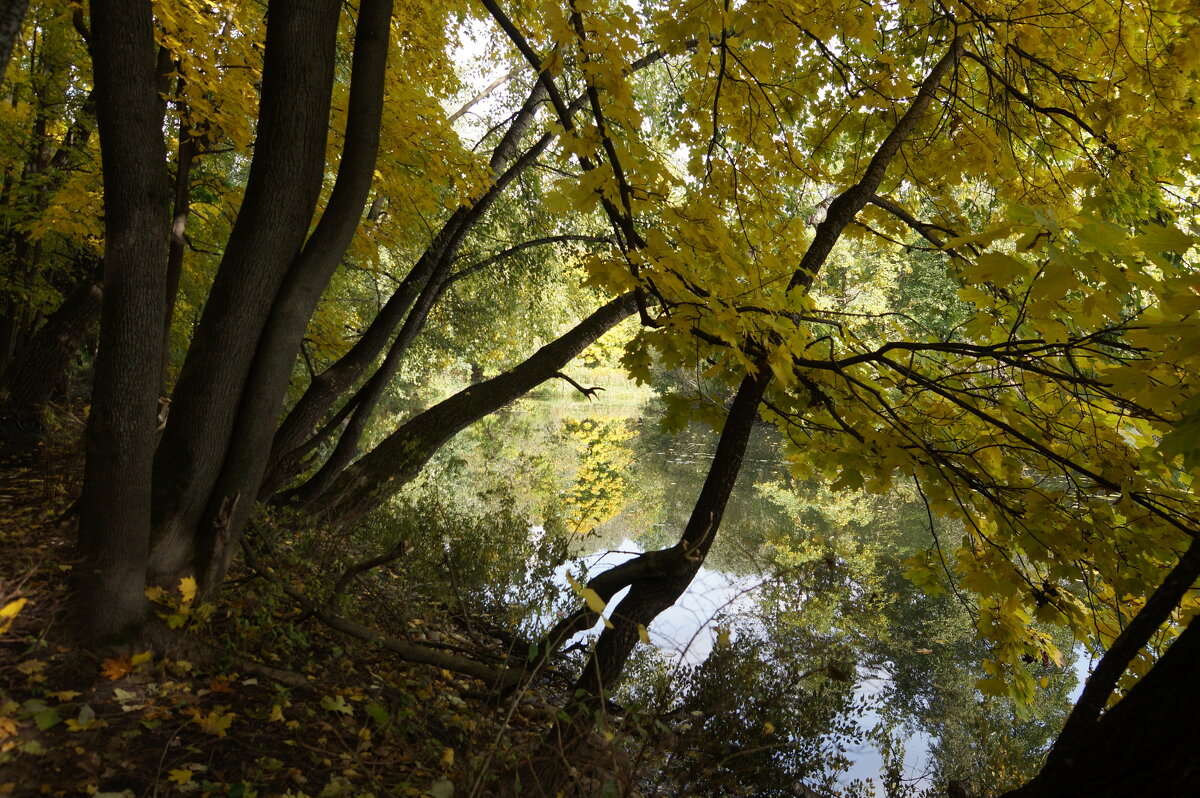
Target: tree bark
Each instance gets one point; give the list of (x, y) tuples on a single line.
[(263, 396), (116, 504), (281, 195), (12, 16), (44, 362), (650, 593), (1145, 745), (650, 596), (382, 472), (420, 288)]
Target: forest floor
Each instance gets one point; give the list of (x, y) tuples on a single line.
[(264, 702)]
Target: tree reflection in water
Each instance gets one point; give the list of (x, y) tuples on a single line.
[(801, 655)]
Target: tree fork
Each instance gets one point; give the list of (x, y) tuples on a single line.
[(282, 190), (307, 277), (647, 598)]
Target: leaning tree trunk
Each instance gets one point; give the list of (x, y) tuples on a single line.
[(1145, 745), (407, 309), (650, 596), (272, 224), (115, 513), (393, 463), (545, 774)]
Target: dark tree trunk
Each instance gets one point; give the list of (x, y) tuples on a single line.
[(12, 15), (45, 361), (263, 396), (115, 511), (1145, 745), (650, 594), (407, 309), (281, 195), (394, 462)]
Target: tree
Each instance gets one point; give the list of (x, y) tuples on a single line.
[(990, 417), (210, 463), (1050, 172)]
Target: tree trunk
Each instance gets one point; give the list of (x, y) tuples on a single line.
[(115, 513), (12, 15), (263, 396), (409, 306), (394, 462), (1145, 745), (45, 361), (649, 595), (281, 196)]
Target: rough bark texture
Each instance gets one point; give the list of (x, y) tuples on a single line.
[(115, 517), (45, 361), (281, 195), (395, 461), (263, 396), (12, 15), (1145, 745)]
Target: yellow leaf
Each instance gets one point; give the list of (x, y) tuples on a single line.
[(138, 659), (9, 613), (447, 758), (276, 713), (155, 593), (768, 728), (643, 634), (589, 596), (214, 722), (722, 637), (179, 776), (31, 666), (187, 586)]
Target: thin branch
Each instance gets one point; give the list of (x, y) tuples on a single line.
[(495, 84), (588, 392)]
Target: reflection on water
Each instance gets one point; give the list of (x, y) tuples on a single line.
[(846, 677), (688, 630)]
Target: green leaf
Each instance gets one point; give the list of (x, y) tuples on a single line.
[(336, 703), (1156, 239), (47, 718), (378, 713), (992, 686)]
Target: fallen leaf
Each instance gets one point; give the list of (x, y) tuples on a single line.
[(9, 613), (114, 669)]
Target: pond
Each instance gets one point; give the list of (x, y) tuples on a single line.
[(799, 639)]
